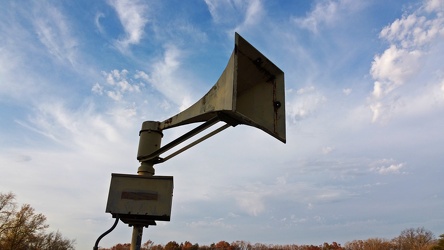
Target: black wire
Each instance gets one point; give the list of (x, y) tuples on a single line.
[(96, 246)]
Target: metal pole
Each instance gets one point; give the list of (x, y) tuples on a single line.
[(136, 240), (149, 142)]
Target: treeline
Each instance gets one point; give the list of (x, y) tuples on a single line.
[(23, 229), (409, 239)]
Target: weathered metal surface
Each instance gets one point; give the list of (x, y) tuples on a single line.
[(139, 198), (251, 90)]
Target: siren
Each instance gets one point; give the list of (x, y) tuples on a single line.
[(250, 91)]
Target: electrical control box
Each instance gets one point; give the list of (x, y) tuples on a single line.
[(139, 199)]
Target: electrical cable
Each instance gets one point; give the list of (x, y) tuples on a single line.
[(96, 246)]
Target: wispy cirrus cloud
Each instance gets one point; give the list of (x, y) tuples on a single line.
[(253, 14), (33, 43), (224, 11), (99, 15), (238, 14), (54, 32), (165, 77), (326, 13), (82, 128), (133, 16)]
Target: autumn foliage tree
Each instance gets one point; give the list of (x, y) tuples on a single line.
[(172, 245), (440, 244), (22, 228), (414, 239), (409, 239), (370, 244)]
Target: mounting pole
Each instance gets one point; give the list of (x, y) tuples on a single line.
[(136, 240), (149, 142)]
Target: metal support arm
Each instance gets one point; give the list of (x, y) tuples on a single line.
[(154, 157)]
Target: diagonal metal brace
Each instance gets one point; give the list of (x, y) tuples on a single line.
[(154, 157)]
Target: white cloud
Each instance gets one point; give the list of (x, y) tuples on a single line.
[(82, 128), (119, 80), (97, 88), (305, 90), (251, 202), (209, 222), (347, 91), (99, 15), (327, 150), (38, 48), (164, 77), (376, 109), (253, 13), (54, 33), (392, 169), (434, 5), (116, 96), (415, 30), (442, 86), (326, 12), (387, 166), (213, 7), (224, 11), (118, 84), (410, 62), (133, 17), (239, 13), (303, 103), (393, 68)]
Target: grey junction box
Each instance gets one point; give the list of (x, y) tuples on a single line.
[(139, 199)]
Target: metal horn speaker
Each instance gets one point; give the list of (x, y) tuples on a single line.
[(250, 91)]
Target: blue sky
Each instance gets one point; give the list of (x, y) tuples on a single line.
[(364, 100)]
